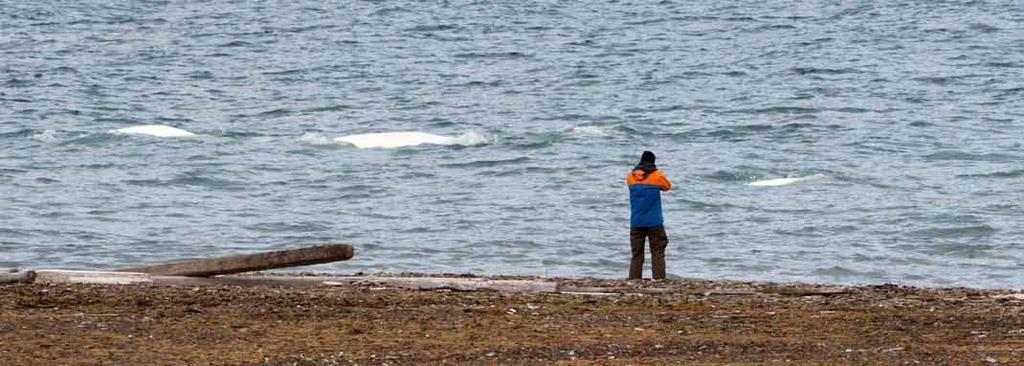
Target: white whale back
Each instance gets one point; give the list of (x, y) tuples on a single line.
[(153, 130), (786, 181), (395, 139)]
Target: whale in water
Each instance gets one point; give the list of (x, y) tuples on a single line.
[(153, 130), (389, 140), (786, 181)]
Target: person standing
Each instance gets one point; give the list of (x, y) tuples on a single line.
[(645, 183)]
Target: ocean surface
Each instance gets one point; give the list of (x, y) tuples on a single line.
[(906, 118)]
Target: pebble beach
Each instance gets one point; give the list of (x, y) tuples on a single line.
[(634, 323)]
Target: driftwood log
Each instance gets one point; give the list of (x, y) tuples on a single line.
[(55, 276), (15, 276), (249, 262)]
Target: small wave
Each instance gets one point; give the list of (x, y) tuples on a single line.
[(329, 108), (200, 75), (956, 232), (538, 140), (775, 110), (432, 28), (18, 83), (474, 138), (280, 112), (388, 140), (1007, 174), (317, 139), (787, 181), (823, 71), (65, 69), (94, 139), (236, 44), (961, 250), (838, 272), (1008, 64), (953, 155), (804, 232), (46, 136), (7, 171), (726, 176), (301, 227), (19, 133), (853, 110), (939, 80), (493, 55), (286, 72), (591, 130), (226, 134), (663, 108), (796, 126), (983, 28), (189, 179), (391, 10), (488, 163), (770, 27)]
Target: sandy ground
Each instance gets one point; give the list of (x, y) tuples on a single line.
[(758, 324)]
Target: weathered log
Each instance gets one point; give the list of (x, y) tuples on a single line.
[(249, 262), (15, 276), (90, 277)]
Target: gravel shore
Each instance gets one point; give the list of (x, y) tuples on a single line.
[(690, 322)]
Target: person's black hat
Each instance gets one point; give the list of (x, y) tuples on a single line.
[(647, 156)]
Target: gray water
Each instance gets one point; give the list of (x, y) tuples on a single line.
[(912, 112)]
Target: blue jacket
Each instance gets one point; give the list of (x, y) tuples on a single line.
[(645, 197)]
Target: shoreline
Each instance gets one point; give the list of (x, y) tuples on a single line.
[(614, 322), (10, 274)]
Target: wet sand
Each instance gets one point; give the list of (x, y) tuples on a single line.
[(698, 323)]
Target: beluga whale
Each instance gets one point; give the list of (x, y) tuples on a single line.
[(778, 182), (153, 130), (388, 140)]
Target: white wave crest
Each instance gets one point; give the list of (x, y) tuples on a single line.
[(46, 136), (474, 138), (314, 138), (787, 181), (591, 130), (153, 130), (389, 140)]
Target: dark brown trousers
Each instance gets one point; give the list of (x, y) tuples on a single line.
[(659, 241)]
